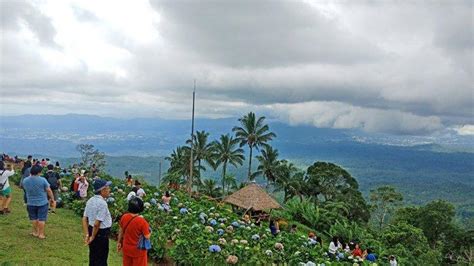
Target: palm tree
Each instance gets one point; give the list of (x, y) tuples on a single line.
[(268, 163), (202, 150), (231, 182), (210, 188), (253, 133), (290, 180), (226, 151), (179, 162)]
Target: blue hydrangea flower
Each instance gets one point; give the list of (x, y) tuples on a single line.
[(214, 248), (213, 222), (156, 194), (256, 237), (153, 201), (183, 210), (235, 224), (220, 231), (110, 200)]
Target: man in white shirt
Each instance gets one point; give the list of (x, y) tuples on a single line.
[(96, 223)]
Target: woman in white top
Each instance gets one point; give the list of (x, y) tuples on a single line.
[(333, 248), (393, 260), (5, 190), (140, 192)]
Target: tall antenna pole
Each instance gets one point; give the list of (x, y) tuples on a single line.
[(191, 160), (159, 174)]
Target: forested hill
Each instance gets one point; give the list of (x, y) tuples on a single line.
[(418, 166)]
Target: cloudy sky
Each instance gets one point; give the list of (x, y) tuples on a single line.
[(403, 67)]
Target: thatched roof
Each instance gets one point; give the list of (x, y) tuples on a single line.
[(253, 197)]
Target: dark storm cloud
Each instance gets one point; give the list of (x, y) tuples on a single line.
[(260, 33)]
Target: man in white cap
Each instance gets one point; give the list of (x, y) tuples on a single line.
[(96, 223)]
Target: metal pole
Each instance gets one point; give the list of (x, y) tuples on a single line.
[(191, 160), (159, 174)]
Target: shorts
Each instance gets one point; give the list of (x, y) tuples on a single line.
[(6, 192), (38, 212), (55, 194)]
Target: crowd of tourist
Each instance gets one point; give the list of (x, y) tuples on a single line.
[(41, 192)]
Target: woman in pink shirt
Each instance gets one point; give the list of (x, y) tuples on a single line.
[(83, 185)]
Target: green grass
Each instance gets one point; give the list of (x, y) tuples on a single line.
[(63, 245)]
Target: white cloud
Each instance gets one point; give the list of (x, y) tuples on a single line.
[(340, 115), (465, 130)]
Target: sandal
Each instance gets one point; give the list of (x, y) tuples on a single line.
[(42, 237), (33, 234)]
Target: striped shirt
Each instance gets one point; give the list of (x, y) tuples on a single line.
[(97, 209)]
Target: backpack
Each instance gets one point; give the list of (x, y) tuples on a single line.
[(52, 178), (3, 185)]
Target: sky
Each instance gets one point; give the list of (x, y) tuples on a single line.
[(398, 67)]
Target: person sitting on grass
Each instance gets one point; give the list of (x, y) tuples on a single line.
[(371, 256), (357, 252), (312, 238), (133, 227), (293, 229), (5, 190), (274, 227), (37, 192), (333, 248), (259, 220), (392, 260)]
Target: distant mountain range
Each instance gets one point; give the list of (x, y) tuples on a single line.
[(423, 167)]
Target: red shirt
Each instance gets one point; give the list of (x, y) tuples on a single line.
[(76, 185), (357, 252), (139, 226)]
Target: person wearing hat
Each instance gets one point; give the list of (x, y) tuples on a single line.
[(96, 223)]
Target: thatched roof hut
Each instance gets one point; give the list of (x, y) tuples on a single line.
[(252, 197)]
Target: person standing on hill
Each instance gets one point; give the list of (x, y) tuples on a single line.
[(96, 223), (25, 172), (166, 199), (5, 190), (54, 181), (82, 186), (129, 181), (37, 192), (133, 227)]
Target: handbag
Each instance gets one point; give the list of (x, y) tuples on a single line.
[(144, 243)]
